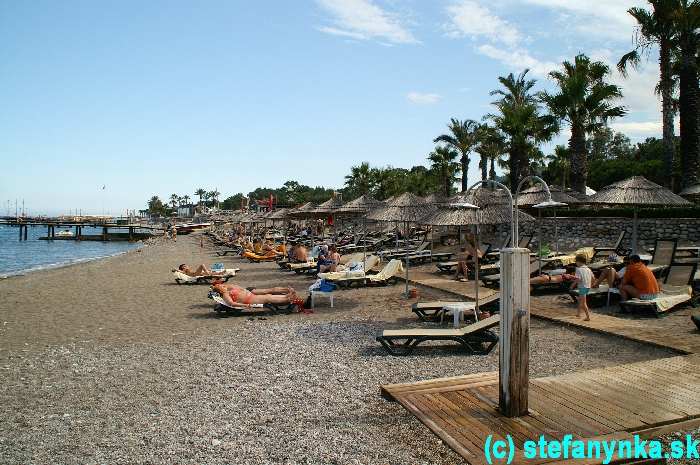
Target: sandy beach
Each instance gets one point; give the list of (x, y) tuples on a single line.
[(112, 362)]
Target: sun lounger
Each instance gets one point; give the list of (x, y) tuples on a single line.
[(303, 267), (222, 307), (182, 278), (347, 279), (431, 311), (476, 338), (268, 257), (494, 255), (677, 290), (664, 255), (494, 280), (232, 251), (388, 275), (616, 248)]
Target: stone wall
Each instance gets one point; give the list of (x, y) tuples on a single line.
[(577, 232)]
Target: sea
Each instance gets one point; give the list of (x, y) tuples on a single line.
[(20, 257)]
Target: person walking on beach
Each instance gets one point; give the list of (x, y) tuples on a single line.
[(583, 281)]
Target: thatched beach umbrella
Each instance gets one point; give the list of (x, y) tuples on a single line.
[(405, 208), (636, 192), (460, 214), (303, 212), (536, 196), (361, 206)]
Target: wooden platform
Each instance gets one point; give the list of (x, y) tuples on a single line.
[(646, 398)]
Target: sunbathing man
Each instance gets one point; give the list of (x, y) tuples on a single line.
[(301, 255), (201, 270), (235, 295), (639, 282)]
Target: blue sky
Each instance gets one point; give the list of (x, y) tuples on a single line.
[(162, 97)]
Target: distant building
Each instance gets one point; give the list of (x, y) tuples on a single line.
[(186, 211)]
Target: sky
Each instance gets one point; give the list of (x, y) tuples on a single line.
[(162, 97)]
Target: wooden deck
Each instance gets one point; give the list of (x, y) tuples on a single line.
[(646, 398)]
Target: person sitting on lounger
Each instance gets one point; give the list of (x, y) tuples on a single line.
[(639, 282), (235, 295), (257, 246), (329, 261), (302, 254), (469, 251), (201, 270)]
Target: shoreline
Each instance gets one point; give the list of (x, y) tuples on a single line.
[(67, 264)]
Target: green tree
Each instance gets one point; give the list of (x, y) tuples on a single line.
[(686, 19), (200, 193), (463, 137), (444, 164), (174, 200), (520, 119), (233, 202), (492, 146), (558, 167), (186, 199), (656, 28), (586, 102), (214, 197), (155, 206), (361, 180)]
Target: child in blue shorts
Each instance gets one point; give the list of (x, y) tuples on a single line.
[(584, 281)]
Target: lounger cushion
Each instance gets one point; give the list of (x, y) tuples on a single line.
[(489, 322)]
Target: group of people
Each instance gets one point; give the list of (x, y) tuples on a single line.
[(634, 281)]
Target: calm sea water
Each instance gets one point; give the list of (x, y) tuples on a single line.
[(20, 257)]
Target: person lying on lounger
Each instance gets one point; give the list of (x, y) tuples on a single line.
[(235, 295), (201, 270)]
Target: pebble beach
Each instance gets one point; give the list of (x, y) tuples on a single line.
[(111, 361)]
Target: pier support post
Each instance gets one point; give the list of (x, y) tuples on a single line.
[(20, 232), (514, 356), (26, 228), (104, 234)]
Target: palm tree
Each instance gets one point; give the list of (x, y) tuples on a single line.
[(444, 164), (686, 19), (519, 118), (655, 28), (361, 179), (200, 193), (186, 199), (174, 200), (206, 196), (559, 164), (585, 101), (463, 137), (492, 146), (214, 196)]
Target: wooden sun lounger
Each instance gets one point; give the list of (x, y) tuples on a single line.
[(441, 256), (679, 275), (664, 255), (494, 280), (431, 311), (182, 278), (616, 249), (476, 338), (225, 252)]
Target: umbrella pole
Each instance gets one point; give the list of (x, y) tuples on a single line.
[(556, 233), (539, 240), (476, 273), (406, 228), (634, 232), (364, 246)]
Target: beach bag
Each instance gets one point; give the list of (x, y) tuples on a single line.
[(316, 286), (325, 286)]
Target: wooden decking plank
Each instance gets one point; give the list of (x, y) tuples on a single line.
[(610, 402), (572, 422), (431, 383), (421, 412), (573, 401), (682, 406)]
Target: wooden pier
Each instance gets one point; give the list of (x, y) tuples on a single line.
[(126, 232)]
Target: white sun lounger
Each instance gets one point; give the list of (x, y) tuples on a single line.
[(182, 278)]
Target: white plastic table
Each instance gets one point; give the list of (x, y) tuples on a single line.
[(457, 310)]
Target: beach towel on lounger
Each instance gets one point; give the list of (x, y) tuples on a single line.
[(393, 268), (669, 297), (181, 277)]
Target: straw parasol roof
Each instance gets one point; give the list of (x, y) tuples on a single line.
[(329, 206), (434, 199), (494, 204), (637, 191), (279, 214), (453, 215), (302, 211), (537, 194), (405, 207), (360, 205)]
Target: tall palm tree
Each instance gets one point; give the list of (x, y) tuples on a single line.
[(655, 28), (200, 193), (492, 146), (186, 199), (520, 119), (214, 196), (686, 19), (559, 161), (586, 102), (174, 198), (443, 162), (361, 180), (463, 137)]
